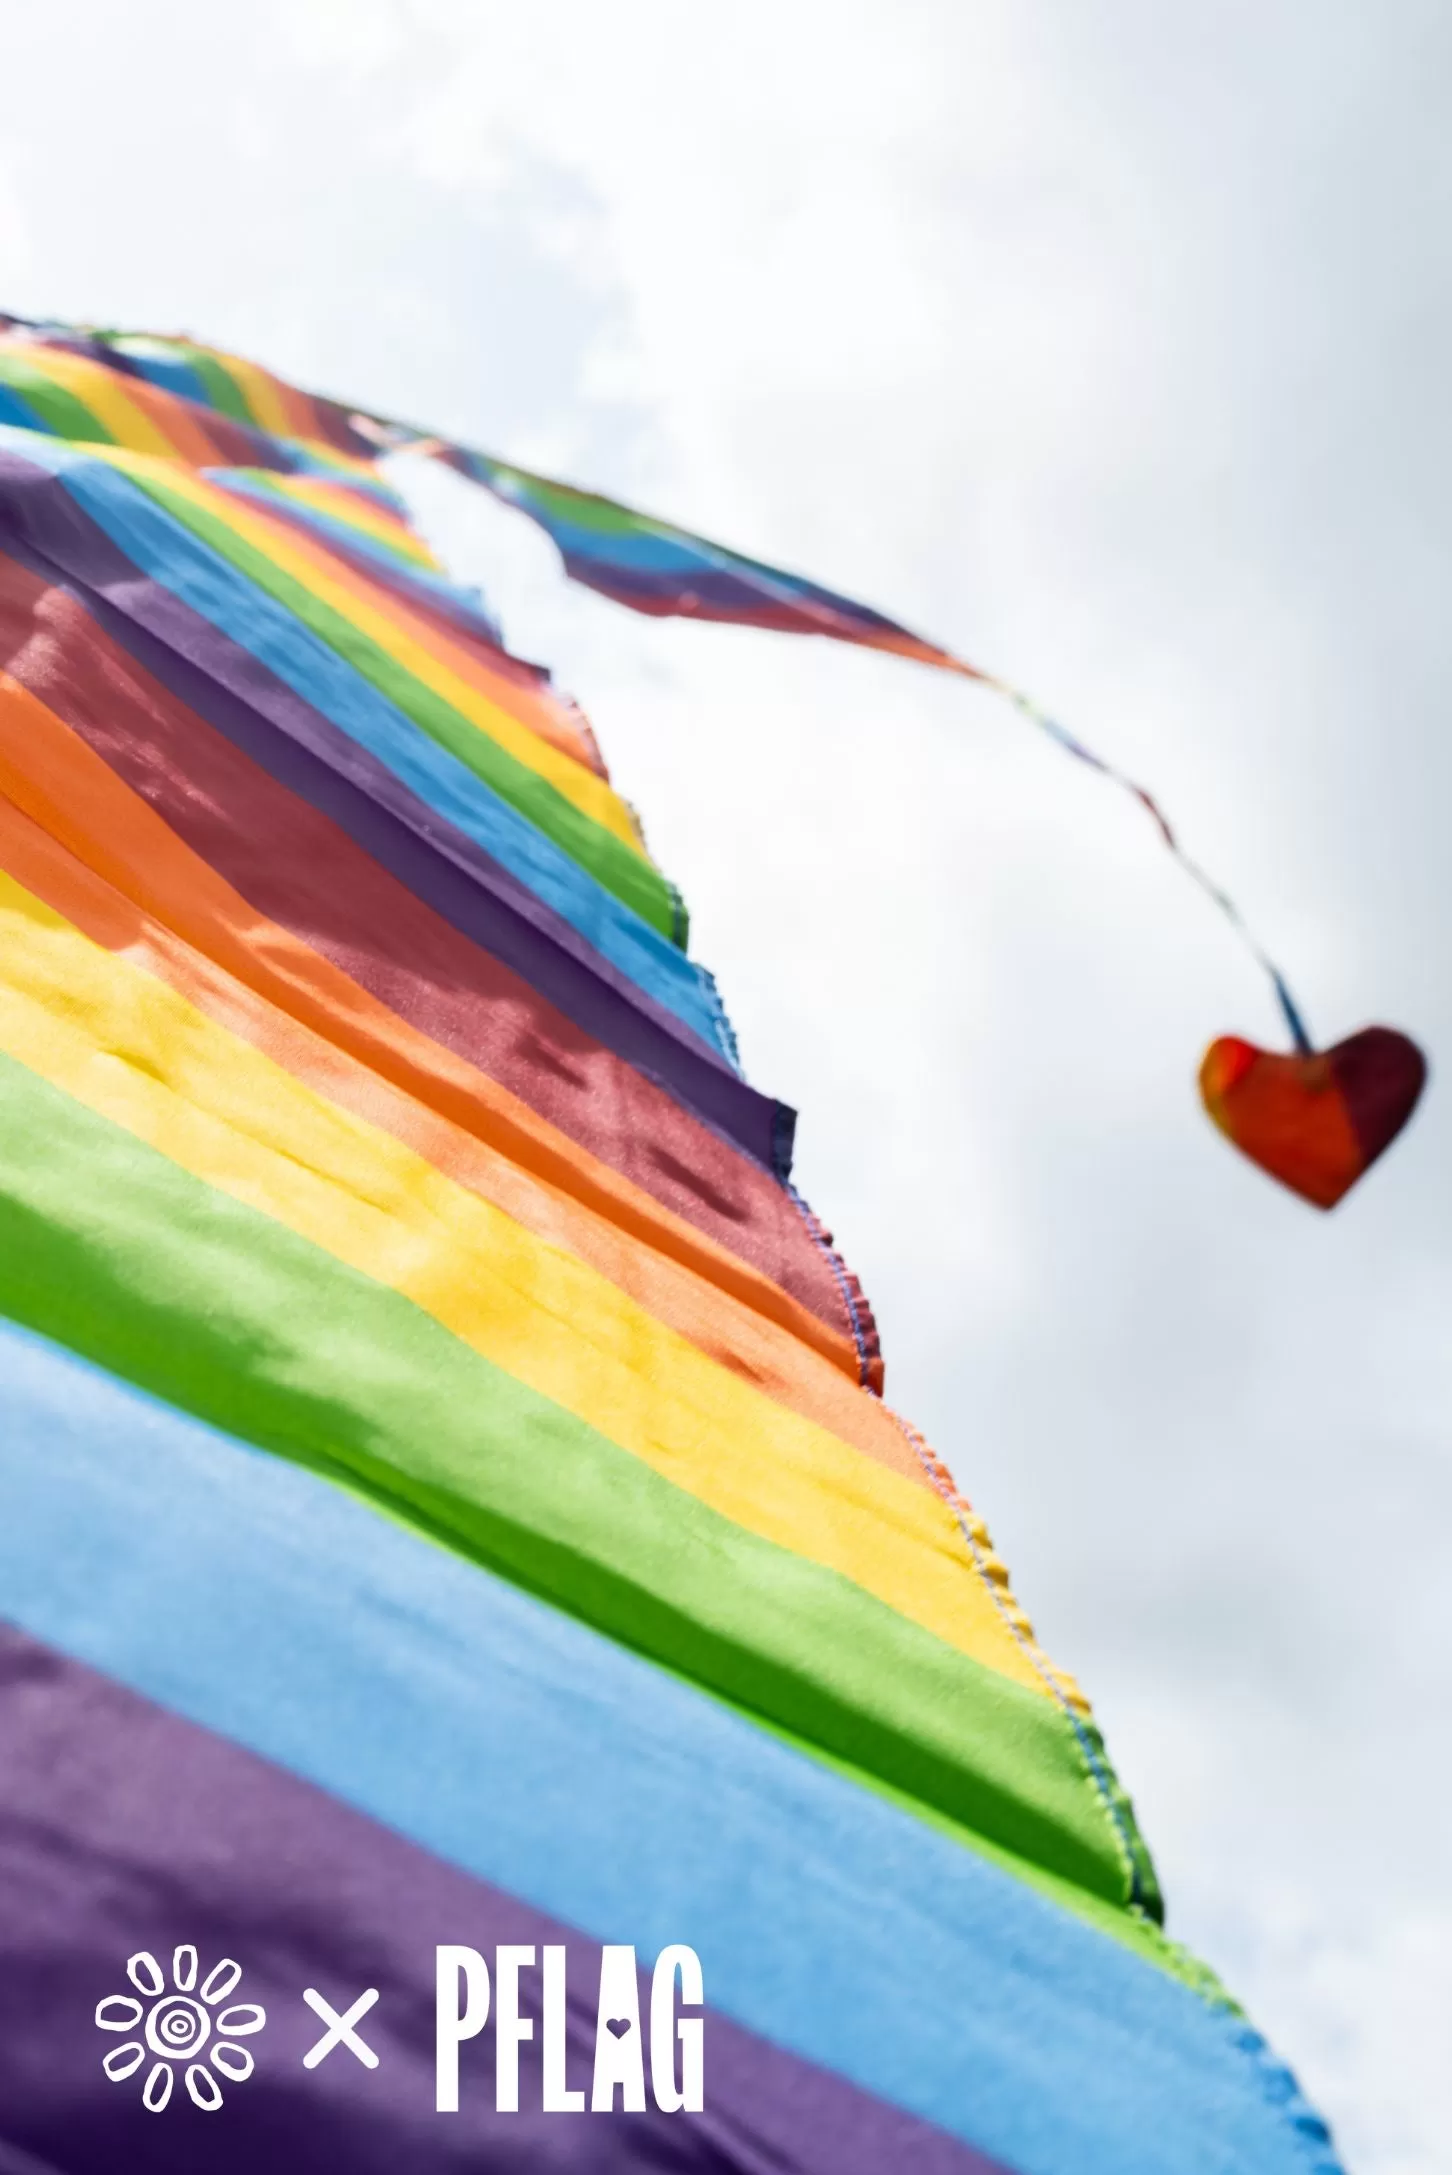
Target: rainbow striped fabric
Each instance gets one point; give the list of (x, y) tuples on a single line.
[(448, 1493), (654, 567)]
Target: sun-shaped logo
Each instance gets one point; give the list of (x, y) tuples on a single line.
[(183, 2023)]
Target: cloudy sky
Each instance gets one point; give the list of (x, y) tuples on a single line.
[(1109, 343)]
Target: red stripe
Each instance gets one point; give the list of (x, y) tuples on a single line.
[(299, 869)]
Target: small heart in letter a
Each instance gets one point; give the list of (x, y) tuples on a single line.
[(617, 2025)]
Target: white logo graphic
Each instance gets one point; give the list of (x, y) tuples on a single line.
[(340, 2032), (179, 2026)]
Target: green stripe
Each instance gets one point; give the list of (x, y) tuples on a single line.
[(58, 411), (112, 1249), (582, 509), (226, 395), (607, 858)]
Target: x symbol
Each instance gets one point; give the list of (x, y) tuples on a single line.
[(340, 2032)]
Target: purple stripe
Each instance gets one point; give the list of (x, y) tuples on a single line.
[(699, 590), (13, 2162), (124, 1828), (695, 592), (412, 585), (242, 699)]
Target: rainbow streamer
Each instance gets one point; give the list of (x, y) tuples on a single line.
[(449, 1497)]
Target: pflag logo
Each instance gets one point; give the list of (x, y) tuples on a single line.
[(181, 2026)]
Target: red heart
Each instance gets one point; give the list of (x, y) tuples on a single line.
[(1316, 1120)]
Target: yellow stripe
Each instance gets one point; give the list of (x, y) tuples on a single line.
[(102, 391), (344, 465), (262, 394), (570, 779), (264, 403), (137, 1053), (340, 504)]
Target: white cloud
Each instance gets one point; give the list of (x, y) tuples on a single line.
[(16, 252)]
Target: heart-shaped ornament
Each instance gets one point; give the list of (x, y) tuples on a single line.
[(1316, 1120)]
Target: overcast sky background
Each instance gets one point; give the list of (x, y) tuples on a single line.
[(1111, 344)]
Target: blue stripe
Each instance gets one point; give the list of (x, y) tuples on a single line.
[(171, 555), (269, 1606), (632, 548), (169, 372), (466, 606), (14, 411), (253, 485), (653, 551)]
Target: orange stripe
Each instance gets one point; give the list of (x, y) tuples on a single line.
[(350, 504), (358, 512), (300, 409), (186, 430), (121, 876), (174, 418)]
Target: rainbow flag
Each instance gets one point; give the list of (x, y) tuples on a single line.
[(486, 1680), (654, 567)]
